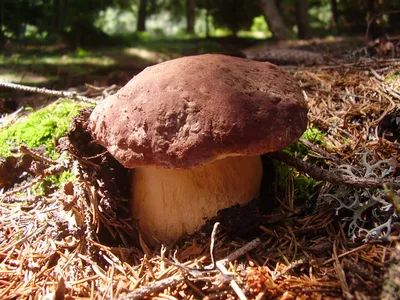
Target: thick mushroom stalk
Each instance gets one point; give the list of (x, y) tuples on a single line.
[(171, 203)]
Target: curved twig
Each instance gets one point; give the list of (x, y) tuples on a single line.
[(335, 178), (37, 90)]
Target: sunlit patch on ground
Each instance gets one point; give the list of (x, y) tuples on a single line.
[(21, 76), (145, 54)]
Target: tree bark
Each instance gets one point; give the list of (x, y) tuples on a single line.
[(302, 20), (1, 21), (234, 24), (60, 8), (274, 20), (141, 22), (63, 14), (335, 15), (332, 176), (190, 15), (207, 19), (56, 14)]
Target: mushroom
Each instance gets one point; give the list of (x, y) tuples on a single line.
[(193, 129)]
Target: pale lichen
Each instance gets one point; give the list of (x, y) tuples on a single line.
[(359, 201)]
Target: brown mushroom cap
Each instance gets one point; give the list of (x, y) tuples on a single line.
[(189, 111)]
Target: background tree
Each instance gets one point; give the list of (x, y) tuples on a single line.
[(335, 15), (302, 19), (1, 21), (142, 14), (76, 22), (274, 20), (233, 15), (190, 15)]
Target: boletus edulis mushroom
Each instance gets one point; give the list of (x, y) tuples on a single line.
[(192, 130)]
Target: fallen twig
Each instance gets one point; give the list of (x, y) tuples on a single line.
[(37, 90), (53, 170), (335, 178), (37, 156), (153, 287), (160, 285), (320, 151)]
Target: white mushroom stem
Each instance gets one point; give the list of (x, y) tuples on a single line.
[(170, 203)]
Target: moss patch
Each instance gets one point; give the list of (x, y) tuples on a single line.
[(43, 127), (313, 135), (304, 186)]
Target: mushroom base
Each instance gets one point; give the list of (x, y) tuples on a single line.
[(170, 203)]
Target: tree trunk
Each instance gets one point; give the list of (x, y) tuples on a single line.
[(207, 19), (141, 22), (56, 14), (234, 21), (371, 7), (274, 20), (335, 15), (1, 21), (190, 15), (302, 20), (63, 14), (60, 8)]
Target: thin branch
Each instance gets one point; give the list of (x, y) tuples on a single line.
[(374, 18), (37, 156), (53, 170), (210, 268), (320, 151), (232, 282), (152, 288), (335, 178), (37, 90), (293, 265), (160, 285)]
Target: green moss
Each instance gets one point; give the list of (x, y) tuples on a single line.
[(48, 184), (43, 127), (313, 135), (304, 186)]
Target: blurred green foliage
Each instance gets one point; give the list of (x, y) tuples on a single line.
[(89, 23)]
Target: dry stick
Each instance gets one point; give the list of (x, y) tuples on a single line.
[(359, 248), (289, 268), (37, 90), (212, 267), (232, 282), (320, 151), (335, 178), (215, 265), (153, 287), (160, 285), (37, 156), (374, 18), (53, 170), (340, 274)]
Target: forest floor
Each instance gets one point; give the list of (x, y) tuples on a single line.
[(334, 241)]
